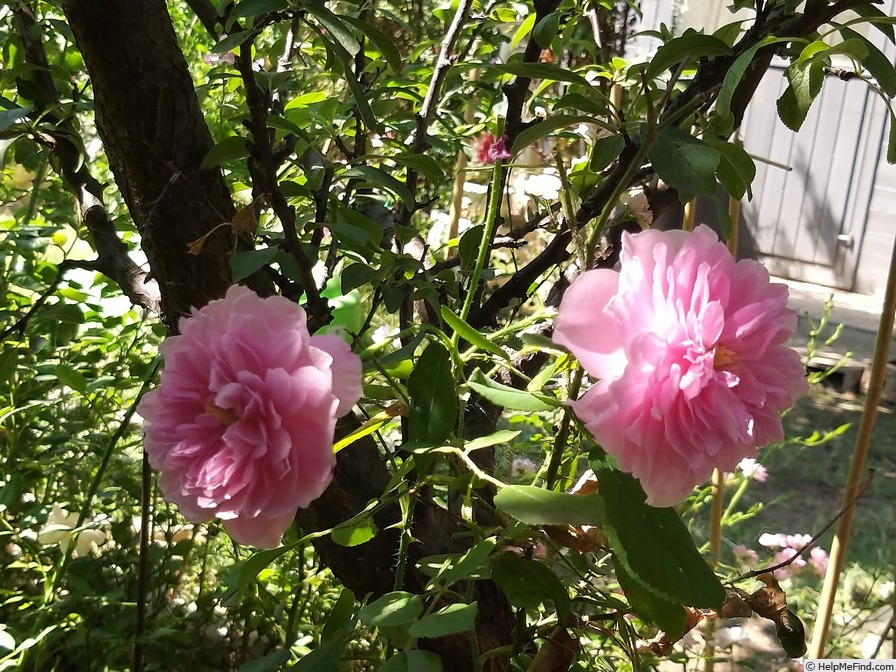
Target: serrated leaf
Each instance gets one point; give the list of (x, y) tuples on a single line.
[(736, 169), (687, 47), (503, 395), (356, 275), (446, 621), (804, 86), (356, 226), (433, 407), (880, 67), (256, 7), (471, 335), (397, 608), (382, 41), (355, 533), (537, 506), (229, 149), (529, 584), (667, 616), (731, 81), (541, 71), (654, 545), (546, 127), (684, 162), (382, 179), (246, 262)]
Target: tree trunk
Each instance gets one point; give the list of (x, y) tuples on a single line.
[(155, 137)]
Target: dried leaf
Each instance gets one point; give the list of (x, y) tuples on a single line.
[(245, 220), (662, 644), (735, 607), (195, 248), (557, 653), (771, 602)]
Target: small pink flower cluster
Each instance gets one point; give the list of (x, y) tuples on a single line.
[(490, 149), (787, 546)]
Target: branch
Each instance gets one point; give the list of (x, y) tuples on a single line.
[(262, 167), (68, 264), (207, 14), (112, 260)]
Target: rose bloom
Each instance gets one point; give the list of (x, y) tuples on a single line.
[(241, 425), (489, 149), (689, 349)]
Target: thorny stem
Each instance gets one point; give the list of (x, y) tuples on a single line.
[(562, 437)]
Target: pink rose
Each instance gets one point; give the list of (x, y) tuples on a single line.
[(690, 352), (241, 425)]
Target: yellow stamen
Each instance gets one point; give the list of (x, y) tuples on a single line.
[(723, 357), (225, 415)]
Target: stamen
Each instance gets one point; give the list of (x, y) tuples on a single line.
[(225, 415), (723, 358)]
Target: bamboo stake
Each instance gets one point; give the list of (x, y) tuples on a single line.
[(857, 465), (718, 477)]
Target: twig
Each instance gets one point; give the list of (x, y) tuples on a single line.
[(807, 546), (207, 14), (263, 170), (66, 265), (143, 563)]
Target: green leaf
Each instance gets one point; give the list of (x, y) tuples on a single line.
[(540, 71), (229, 149), (654, 545), (73, 379), (544, 128), (546, 30), (340, 617), (684, 162), (877, 18), (667, 616), (736, 169), (891, 139), (246, 262), (495, 439), (413, 660), (356, 275), (880, 67), (9, 362), (524, 29), (326, 657), (11, 116), (382, 41), (382, 179), (232, 41), (731, 81), (256, 7), (272, 661), (805, 85), (334, 26), (471, 335), (433, 408), (446, 621), (469, 563), (595, 103), (606, 151), (537, 506), (343, 62), (398, 608), (503, 395), (355, 533), (468, 247), (356, 226), (687, 47), (422, 163), (528, 583)]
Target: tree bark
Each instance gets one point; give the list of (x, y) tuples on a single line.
[(155, 137)]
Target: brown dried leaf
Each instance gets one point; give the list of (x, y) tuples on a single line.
[(662, 644), (245, 220), (735, 607), (557, 653), (771, 602), (195, 248)]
